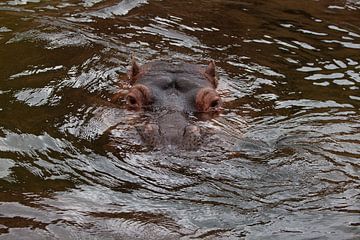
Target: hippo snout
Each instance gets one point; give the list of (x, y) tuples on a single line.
[(171, 130)]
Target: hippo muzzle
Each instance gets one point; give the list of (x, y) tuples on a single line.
[(171, 129)]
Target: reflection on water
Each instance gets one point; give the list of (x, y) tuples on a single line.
[(281, 162)]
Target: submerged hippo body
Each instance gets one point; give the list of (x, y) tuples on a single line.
[(172, 93)]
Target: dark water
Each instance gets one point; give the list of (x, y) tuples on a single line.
[(281, 162)]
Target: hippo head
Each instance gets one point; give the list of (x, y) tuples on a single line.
[(173, 93)]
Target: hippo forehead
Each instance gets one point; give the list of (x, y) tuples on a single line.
[(182, 77)]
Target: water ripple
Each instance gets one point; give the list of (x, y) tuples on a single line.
[(281, 160), (120, 9)]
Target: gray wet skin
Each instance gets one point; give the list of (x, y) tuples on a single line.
[(172, 93)]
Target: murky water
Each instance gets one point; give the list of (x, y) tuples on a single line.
[(281, 162)]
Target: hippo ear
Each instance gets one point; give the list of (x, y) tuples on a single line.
[(134, 70), (211, 75)]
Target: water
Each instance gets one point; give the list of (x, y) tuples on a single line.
[(281, 162)]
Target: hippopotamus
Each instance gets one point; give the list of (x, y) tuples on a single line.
[(173, 94)]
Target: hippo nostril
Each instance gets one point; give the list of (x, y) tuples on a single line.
[(191, 130), (150, 134), (192, 137), (152, 128)]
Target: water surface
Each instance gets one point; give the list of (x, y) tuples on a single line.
[(281, 162)]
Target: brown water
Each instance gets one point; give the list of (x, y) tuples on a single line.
[(281, 162)]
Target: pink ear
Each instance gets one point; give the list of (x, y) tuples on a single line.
[(134, 70), (210, 73)]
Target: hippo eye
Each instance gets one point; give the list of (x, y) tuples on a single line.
[(215, 103), (138, 97), (132, 100), (207, 99)]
